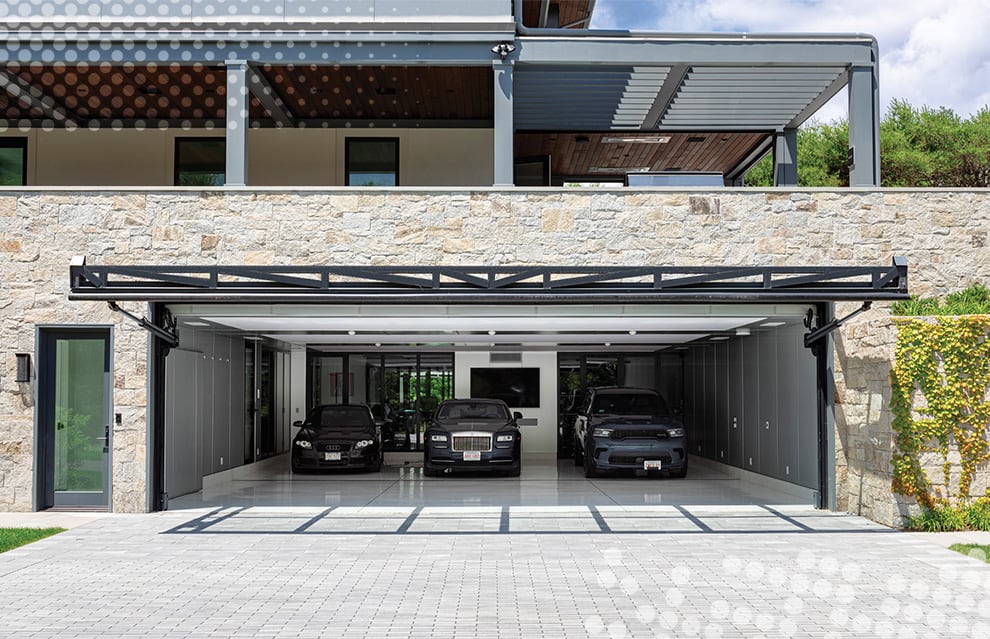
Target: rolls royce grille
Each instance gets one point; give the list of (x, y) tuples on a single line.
[(472, 442)]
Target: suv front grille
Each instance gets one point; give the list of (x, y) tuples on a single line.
[(471, 442), (639, 434)]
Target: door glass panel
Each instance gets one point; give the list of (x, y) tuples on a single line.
[(80, 415)]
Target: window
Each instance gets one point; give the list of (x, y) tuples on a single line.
[(372, 162), (13, 161), (200, 161)]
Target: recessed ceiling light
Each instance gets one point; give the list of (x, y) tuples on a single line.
[(491, 332), (770, 324), (352, 332), (742, 331), (195, 323), (719, 338), (608, 343), (632, 332), (378, 343), (630, 139)]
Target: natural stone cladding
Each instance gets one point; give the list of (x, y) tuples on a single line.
[(942, 233)]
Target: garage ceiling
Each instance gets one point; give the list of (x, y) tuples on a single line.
[(622, 328)]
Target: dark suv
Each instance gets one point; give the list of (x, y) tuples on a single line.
[(629, 429)]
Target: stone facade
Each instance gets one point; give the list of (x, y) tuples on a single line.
[(942, 233)]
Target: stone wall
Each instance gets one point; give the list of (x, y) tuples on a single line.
[(943, 234)]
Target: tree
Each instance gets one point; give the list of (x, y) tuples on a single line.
[(918, 148)]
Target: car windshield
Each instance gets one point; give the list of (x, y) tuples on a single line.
[(630, 404), (340, 417), (473, 410)]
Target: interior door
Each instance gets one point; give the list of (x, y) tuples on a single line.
[(75, 423)]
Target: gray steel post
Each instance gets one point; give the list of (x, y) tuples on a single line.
[(237, 122), (785, 159), (864, 127), (504, 128)]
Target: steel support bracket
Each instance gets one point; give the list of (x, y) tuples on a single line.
[(168, 334), (811, 339)]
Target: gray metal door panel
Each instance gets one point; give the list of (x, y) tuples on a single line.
[(737, 404), (790, 350), (751, 408), (768, 403), (721, 402), (183, 469)]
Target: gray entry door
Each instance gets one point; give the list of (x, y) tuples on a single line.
[(75, 386)]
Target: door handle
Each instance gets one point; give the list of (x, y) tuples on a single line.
[(106, 438)]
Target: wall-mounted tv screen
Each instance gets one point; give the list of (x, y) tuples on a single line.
[(517, 387)]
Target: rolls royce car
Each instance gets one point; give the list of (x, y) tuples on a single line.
[(629, 429), (473, 434), (337, 436)]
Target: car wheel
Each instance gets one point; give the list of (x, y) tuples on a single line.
[(431, 472), (590, 469), (578, 455), (516, 470)]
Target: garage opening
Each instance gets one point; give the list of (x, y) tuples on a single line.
[(728, 349)]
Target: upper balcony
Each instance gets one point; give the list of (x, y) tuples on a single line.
[(104, 93)]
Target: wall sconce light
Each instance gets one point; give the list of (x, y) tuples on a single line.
[(23, 367)]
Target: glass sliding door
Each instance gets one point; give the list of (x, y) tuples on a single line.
[(74, 392)]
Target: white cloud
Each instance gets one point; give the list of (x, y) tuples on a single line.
[(932, 52)]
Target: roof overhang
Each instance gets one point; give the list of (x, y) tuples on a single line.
[(501, 284)]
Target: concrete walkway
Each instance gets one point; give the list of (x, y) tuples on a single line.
[(422, 570)]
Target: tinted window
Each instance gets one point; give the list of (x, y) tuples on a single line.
[(372, 161), (200, 161), (341, 417), (473, 410), (12, 161), (632, 404)]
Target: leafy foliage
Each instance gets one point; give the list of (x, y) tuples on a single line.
[(976, 551), (974, 300), (945, 363), (919, 147)]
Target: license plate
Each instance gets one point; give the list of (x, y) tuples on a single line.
[(472, 455), (651, 464), (331, 456)]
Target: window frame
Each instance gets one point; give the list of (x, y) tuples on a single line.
[(22, 144), (347, 155), (175, 153)]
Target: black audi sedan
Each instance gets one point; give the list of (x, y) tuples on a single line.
[(473, 434), (337, 436)]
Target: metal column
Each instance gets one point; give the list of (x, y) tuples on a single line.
[(504, 128), (785, 158), (864, 127), (237, 122)]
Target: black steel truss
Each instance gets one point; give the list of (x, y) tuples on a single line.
[(479, 284)]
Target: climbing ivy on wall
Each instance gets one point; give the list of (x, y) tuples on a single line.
[(940, 402)]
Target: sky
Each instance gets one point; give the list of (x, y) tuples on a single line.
[(933, 53)]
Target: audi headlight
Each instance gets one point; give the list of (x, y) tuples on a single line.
[(675, 432), (602, 432), (364, 443), (302, 443), (438, 438), (504, 438)]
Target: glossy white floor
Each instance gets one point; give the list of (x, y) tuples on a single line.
[(545, 481)]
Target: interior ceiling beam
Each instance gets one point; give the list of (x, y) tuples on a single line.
[(24, 91), (673, 83), (263, 90), (503, 284)]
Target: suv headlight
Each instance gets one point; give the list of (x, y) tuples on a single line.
[(364, 443), (602, 432), (505, 438), (675, 432), (302, 443), (438, 438)]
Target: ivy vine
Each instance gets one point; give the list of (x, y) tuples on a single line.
[(940, 402)]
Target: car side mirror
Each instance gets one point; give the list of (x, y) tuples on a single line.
[(516, 415)]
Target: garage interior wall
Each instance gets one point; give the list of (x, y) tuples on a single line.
[(539, 424), (276, 157), (205, 409), (750, 402)]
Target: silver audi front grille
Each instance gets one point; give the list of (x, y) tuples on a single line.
[(472, 442)]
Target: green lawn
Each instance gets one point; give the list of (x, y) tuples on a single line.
[(973, 550), (14, 537)]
